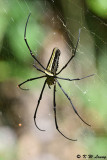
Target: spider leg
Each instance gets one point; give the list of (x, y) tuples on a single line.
[(72, 54), (56, 118), (31, 79), (28, 44), (71, 102), (75, 78), (38, 68), (38, 106)]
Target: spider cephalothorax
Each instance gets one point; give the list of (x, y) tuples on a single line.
[(50, 73)]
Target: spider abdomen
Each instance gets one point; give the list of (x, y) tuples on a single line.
[(53, 61)]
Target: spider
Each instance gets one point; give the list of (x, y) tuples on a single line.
[(50, 72)]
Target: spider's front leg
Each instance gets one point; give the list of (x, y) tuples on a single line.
[(38, 68), (73, 55), (28, 44)]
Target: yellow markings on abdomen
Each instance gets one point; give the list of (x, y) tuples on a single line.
[(48, 73), (53, 61), (49, 67)]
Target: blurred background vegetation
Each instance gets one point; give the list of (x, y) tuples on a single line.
[(53, 23)]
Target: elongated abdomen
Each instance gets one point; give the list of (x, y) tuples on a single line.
[(53, 61)]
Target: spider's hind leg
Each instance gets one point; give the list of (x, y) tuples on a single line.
[(38, 106), (56, 118), (71, 103)]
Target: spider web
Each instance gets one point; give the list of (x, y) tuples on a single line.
[(57, 25)]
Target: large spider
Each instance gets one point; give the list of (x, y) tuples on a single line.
[(51, 78)]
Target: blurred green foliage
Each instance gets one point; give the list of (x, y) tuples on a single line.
[(14, 55), (99, 7)]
